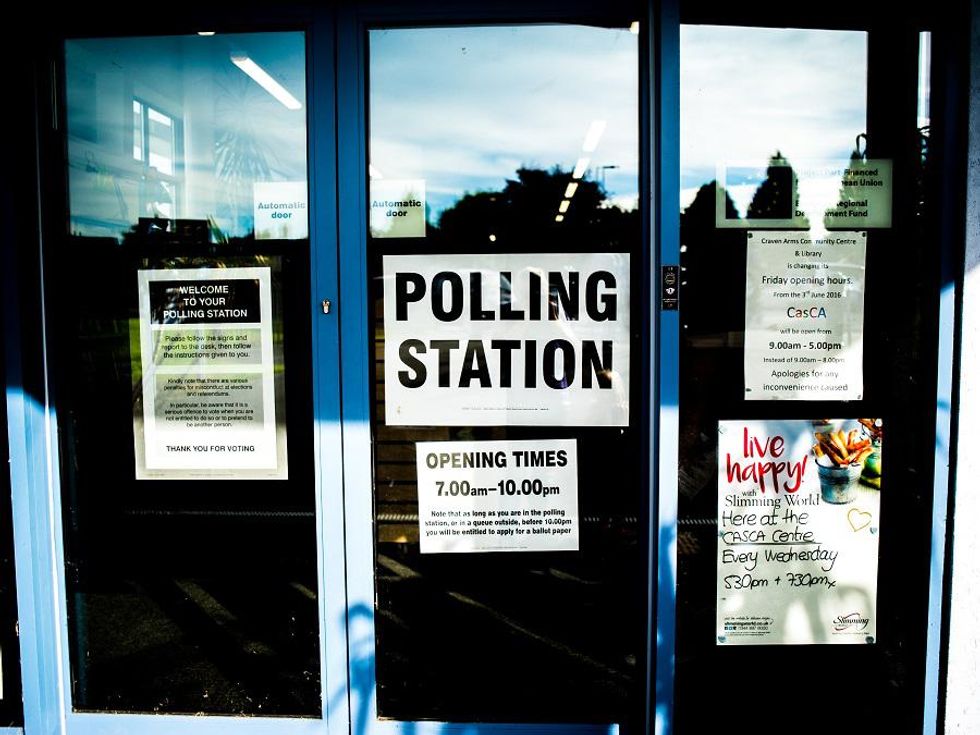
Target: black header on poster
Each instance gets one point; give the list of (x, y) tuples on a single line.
[(230, 301)]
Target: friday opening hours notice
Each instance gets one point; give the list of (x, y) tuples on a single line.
[(804, 315)]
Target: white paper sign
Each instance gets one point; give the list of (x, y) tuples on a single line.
[(280, 210), (804, 316), (856, 195), (207, 361), (498, 496), (798, 523), (507, 339), (819, 194), (397, 207)]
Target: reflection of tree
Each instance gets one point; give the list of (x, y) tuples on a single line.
[(524, 212), (241, 153), (700, 213), (711, 258), (845, 193), (156, 232), (776, 196)]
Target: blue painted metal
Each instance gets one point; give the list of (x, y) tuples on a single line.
[(666, 413), (648, 431), (33, 560), (357, 369), (948, 87), (940, 500), (30, 426), (324, 284)]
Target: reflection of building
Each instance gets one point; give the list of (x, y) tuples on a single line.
[(545, 136), (191, 146)]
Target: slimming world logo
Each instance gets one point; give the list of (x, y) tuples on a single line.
[(852, 621)]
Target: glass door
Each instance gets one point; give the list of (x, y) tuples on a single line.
[(809, 271), (189, 263), (497, 537)]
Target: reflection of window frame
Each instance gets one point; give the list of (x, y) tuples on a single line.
[(151, 174)]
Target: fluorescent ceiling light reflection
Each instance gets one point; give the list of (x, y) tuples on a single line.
[(205, 33), (563, 207), (261, 77), (596, 129), (580, 166), (559, 218), (570, 189), (635, 28)]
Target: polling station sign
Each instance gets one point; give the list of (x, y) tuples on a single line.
[(507, 339)]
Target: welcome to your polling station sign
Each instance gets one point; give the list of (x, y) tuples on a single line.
[(507, 339), (208, 376)]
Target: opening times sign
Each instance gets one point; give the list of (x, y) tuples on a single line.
[(507, 339), (798, 522), (498, 496), (208, 365)]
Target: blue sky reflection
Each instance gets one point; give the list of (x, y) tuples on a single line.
[(464, 108), (748, 92)]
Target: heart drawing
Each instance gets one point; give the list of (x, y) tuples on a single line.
[(858, 519)]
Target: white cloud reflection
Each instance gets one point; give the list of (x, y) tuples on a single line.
[(748, 92), (464, 108)]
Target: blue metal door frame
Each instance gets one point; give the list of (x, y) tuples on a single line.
[(665, 379)]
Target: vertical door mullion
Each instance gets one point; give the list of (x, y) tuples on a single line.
[(35, 482), (665, 410), (326, 352), (356, 368)]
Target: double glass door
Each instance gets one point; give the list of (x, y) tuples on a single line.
[(368, 410), (345, 325)]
